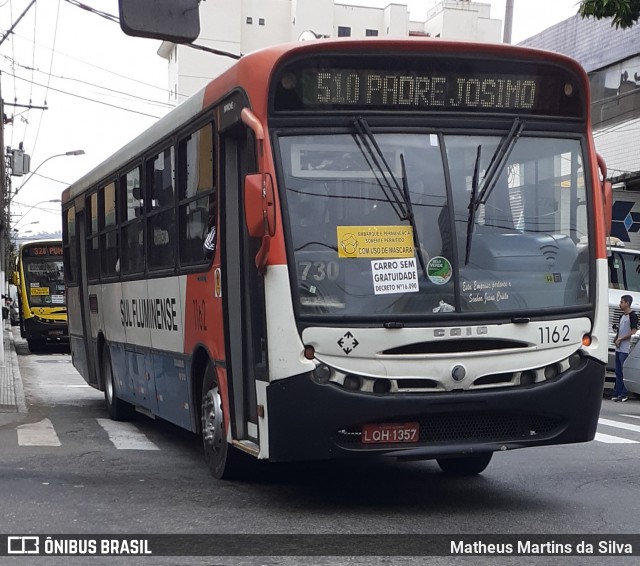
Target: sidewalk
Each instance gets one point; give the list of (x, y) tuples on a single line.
[(11, 393)]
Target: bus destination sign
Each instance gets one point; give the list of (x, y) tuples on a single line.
[(41, 250), (438, 84), (372, 88)]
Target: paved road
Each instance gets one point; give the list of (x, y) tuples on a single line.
[(67, 468)]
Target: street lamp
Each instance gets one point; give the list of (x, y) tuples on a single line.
[(18, 234), (16, 230), (33, 206), (74, 152)]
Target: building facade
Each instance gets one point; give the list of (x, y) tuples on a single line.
[(246, 25), (611, 57)]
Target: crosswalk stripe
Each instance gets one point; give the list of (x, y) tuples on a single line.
[(38, 434), (625, 426), (125, 436), (630, 416), (613, 439)]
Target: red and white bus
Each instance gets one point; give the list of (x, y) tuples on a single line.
[(409, 257)]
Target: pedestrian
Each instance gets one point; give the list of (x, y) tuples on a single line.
[(627, 327)]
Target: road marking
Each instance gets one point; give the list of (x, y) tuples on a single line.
[(613, 439), (38, 434), (126, 436), (631, 416), (617, 424)]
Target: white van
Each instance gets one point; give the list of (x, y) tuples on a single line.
[(624, 279)]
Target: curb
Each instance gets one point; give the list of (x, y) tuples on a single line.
[(21, 403)]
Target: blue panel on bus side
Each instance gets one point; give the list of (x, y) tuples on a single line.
[(121, 376), (172, 389), (139, 372), (79, 357)]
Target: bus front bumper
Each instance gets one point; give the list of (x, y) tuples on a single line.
[(309, 421), (46, 332)]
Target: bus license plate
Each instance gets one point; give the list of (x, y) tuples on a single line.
[(390, 433)]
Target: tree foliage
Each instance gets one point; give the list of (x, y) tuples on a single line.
[(625, 13)]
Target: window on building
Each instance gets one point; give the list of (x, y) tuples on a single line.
[(371, 32), (249, 20), (261, 22), (344, 31)]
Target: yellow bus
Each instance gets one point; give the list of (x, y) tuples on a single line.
[(42, 303)]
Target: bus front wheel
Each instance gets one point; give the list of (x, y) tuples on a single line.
[(119, 410), (223, 460), (35, 345), (465, 465)]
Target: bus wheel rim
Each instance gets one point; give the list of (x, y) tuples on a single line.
[(212, 429)]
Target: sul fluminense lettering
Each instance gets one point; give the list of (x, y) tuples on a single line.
[(158, 314)]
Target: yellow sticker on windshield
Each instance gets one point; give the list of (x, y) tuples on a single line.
[(375, 241), (39, 290)]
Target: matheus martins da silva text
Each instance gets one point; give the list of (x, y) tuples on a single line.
[(526, 547)]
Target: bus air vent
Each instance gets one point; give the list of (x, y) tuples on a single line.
[(455, 346)]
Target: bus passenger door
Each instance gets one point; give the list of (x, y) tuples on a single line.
[(85, 301), (243, 288)]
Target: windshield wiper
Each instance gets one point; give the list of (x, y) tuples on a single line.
[(410, 216), (378, 164), (397, 196), (480, 195), (471, 220)]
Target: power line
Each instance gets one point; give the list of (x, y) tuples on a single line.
[(114, 73), (55, 35), (90, 99), (127, 94)]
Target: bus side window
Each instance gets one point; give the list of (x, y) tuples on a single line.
[(132, 233), (197, 182), (161, 220)]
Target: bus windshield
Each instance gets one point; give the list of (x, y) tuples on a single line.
[(44, 281), (429, 223)]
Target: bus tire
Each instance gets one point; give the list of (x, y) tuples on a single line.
[(119, 410), (35, 345), (223, 460), (465, 465)]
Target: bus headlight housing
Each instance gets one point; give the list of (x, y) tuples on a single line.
[(322, 374)]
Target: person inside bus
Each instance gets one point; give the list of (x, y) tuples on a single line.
[(209, 244), (627, 327)]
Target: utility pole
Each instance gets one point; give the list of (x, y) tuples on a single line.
[(508, 21), (4, 193)]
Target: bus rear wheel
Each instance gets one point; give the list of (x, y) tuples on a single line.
[(224, 461), (119, 410), (465, 465)]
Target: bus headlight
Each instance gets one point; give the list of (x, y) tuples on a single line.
[(322, 374)]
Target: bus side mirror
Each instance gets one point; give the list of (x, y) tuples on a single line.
[(260, 213), (177, 21), (16, 279), (607, 194), (607, 190)]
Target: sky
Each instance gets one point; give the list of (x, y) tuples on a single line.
[(102, 88)]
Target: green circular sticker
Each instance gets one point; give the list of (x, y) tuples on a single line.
[(439, 270)]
